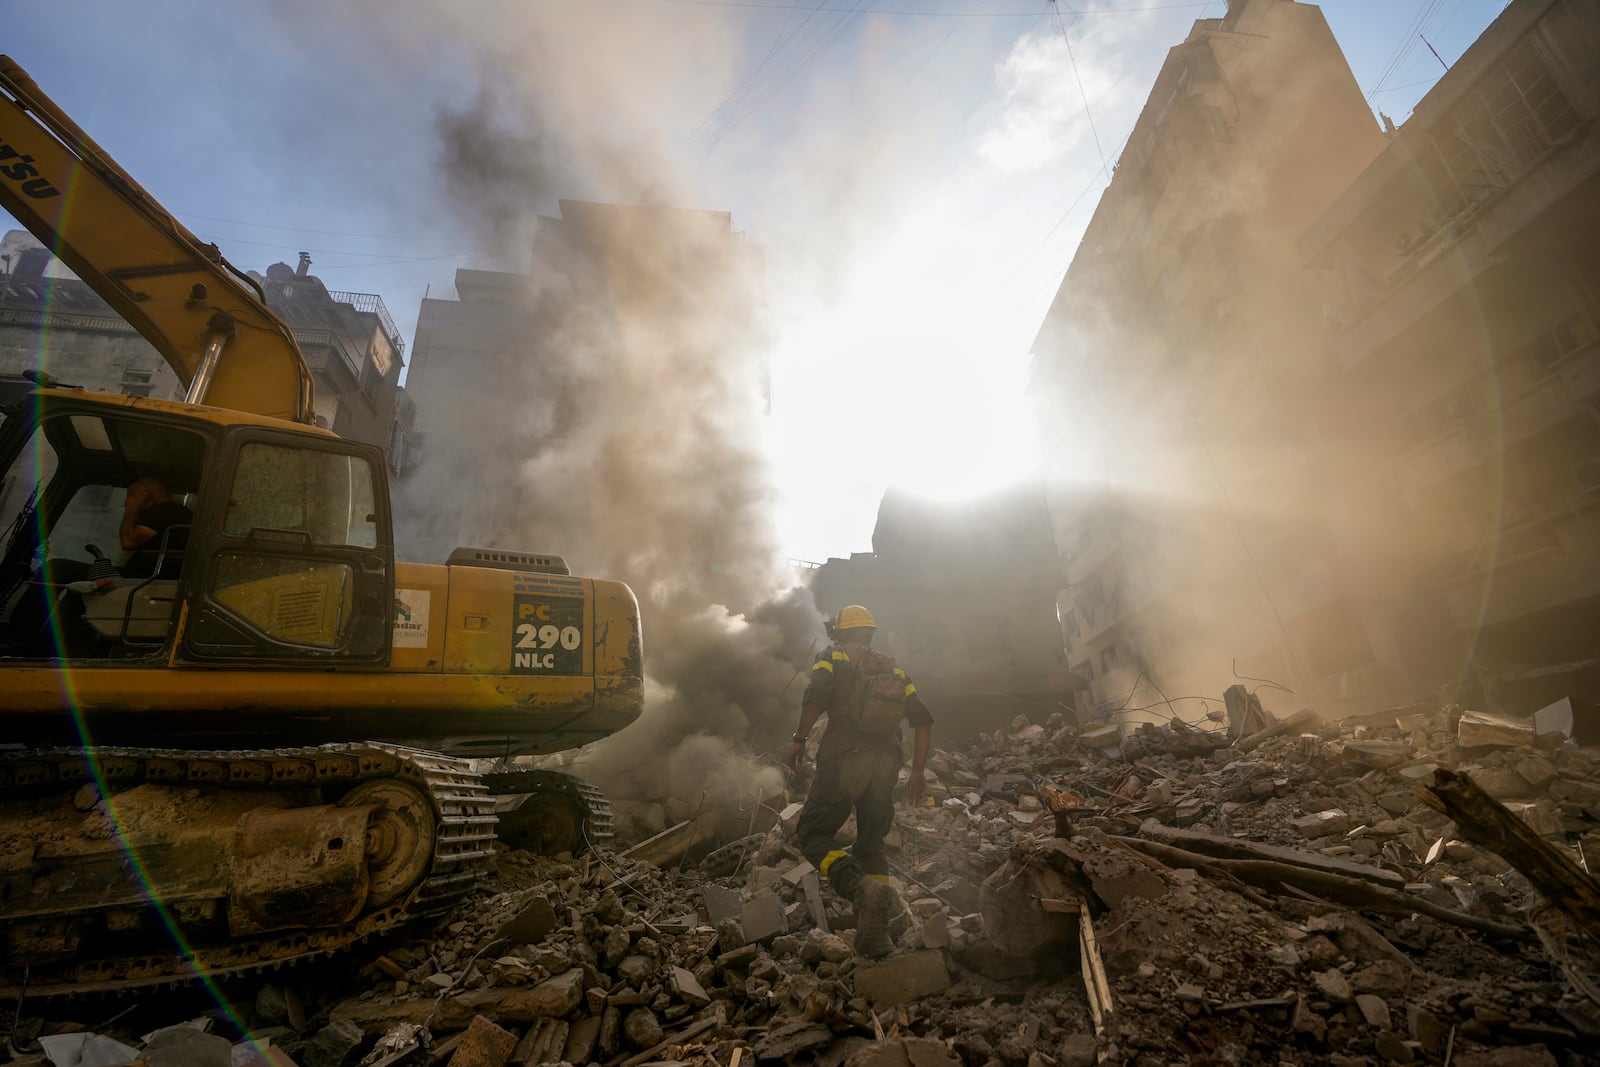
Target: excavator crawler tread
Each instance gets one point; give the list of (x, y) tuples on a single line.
[(462, 805), (598, 825)]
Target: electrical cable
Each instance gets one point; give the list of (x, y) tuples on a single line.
[(324, 233), (943, 14), (778, 44), (852, 16), (1055, 7)]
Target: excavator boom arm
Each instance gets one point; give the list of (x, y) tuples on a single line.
[(207, 319)]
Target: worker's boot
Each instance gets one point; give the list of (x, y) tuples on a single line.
[(874, 902)]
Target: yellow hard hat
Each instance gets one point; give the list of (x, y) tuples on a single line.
[(854, 617)]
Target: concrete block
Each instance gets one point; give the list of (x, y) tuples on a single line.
[(1538, 771), (1377, 754), (1374, 1010), (687, 988), (1323, 823), (762, 918), (544, 1042), (783, 1042), (529, 925), (334, 1046), (1480, 729), (900, 979), (721, 903), (484, 1045), (86, 1050), (552, 998), (581, 1040)]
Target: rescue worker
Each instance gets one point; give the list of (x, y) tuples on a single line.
[(858, 763)]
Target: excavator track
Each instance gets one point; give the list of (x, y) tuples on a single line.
[(548, 811), (463, 853)]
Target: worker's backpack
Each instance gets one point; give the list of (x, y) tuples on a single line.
[(876, 698)]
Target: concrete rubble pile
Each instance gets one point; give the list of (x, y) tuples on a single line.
[(1072, 896)]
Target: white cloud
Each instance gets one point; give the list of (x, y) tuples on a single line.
[(1044, 116)]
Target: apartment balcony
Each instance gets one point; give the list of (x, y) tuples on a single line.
[(1102, 549), (1568, 393), (1530, 567)]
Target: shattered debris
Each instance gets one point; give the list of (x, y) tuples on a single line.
[(1172, 896)]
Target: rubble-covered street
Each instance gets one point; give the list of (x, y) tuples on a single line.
[(1068, 899)]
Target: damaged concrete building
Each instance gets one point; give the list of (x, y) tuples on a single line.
[(52, 321), (1170, 370), (963, 597), (1460, 274)]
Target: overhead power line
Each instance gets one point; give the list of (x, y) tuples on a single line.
[(321, 233), (1079, 79), (939, 14)]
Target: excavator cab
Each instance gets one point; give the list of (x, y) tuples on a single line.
[(284, 560)]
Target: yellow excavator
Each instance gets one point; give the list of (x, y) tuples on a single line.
[(255, 740)]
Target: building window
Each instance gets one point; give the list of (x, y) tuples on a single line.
[(1085, 670), (371, 381), (136, 382), (1510, 117), (1109, 660)]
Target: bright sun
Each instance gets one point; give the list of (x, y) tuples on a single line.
[(918, 362)]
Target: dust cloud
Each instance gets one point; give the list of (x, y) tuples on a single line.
[(619, 414)]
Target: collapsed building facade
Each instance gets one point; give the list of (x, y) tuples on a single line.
[(1326, 350)]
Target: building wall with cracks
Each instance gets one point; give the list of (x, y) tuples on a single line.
[(1171, 376), (1461, 282)]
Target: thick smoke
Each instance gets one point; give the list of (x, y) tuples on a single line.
[(628, 405)]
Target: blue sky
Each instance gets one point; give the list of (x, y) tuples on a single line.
[(918, 171)]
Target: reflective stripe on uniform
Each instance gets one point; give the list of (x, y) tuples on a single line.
[(845, 656), (822, 665), (910, 689), (884, 878), (829, 860)]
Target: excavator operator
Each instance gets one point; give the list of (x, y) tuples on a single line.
[(148, 512)]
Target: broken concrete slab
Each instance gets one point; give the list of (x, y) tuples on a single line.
[(762, 917), (687, 988), (1324, 823), (1480, 729), (545, 1042), (1377, 754), (86, 1050), (335, 1045), (785, 1042), (530, 924), (900, 979), (721, 904), (581, 1040)]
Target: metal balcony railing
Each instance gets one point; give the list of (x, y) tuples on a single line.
[(373, 303), (64, 320)]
